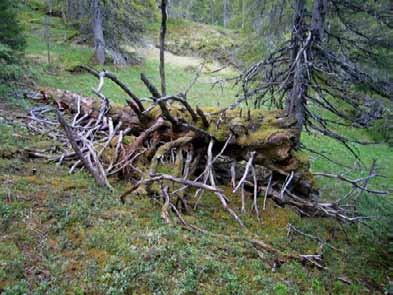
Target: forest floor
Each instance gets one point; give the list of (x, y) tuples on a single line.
[(61, 234)]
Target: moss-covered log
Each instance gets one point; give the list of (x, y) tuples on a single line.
[(270, 134)]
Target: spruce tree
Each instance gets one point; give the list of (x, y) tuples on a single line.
[(10, 31), (12, 41)]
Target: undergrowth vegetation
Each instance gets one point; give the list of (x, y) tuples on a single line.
[(61, 234)]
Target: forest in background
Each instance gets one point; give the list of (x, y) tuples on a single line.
[(327, 64)]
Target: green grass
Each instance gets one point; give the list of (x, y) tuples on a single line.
[(178, 80), (80, 239), (66, 56)]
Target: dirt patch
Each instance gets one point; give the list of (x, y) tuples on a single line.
[(153, 53)]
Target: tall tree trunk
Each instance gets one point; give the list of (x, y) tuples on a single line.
[(189, 9), (164, 16), (226, 14), (318, 19), (298, 31), (99, 41), (303, 55), (243, 13), (212, 11), (47, 30), (296, 100)]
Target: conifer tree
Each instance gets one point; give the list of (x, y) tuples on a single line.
[(12, 42), (10, 31)]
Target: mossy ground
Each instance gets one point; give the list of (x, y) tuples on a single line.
[(61, 234)]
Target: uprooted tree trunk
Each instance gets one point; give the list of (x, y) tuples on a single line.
[(200, 150), (172, 152)]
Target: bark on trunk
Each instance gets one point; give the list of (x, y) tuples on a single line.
[(318, 19), (243, 13), (164, 14), (189, 9), (297, 97), (302, 55), (99, 41), (226, 14), (212, 11)]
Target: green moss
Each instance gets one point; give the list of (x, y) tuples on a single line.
[(167, 169), (260, 136), (11, 264), (303, 160), (253, 129)]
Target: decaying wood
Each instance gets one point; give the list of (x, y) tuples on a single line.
[(171, 152), (174, 153), (113, 77), (256, 155), (95, 171)]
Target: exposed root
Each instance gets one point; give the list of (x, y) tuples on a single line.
[(176, 152)]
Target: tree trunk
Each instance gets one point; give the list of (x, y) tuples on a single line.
[(302, 56), (99, 41), (163, 30), (226, 14), (243, 13), (212, 11), (297, 96), (47, 30), (189, 9), (255, 154), (318, 19)]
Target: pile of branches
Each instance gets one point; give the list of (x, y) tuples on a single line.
[(175, 154), (253, 153), (205, 149)]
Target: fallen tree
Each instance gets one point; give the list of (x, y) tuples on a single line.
[(176, 154), (173, 153), (197, 149), (168, 140)]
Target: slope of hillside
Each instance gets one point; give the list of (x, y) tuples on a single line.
[(61, 234), (201, 40)]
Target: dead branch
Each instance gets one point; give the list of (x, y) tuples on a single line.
[(156, 95), (113, 77), (164, 16), (182, 101), (165, 207), (166, 148), (293, 229), (255, 202), (97, 174), (248, 167), (203, 117), (195, 79), (150, 86), (354, 182)]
